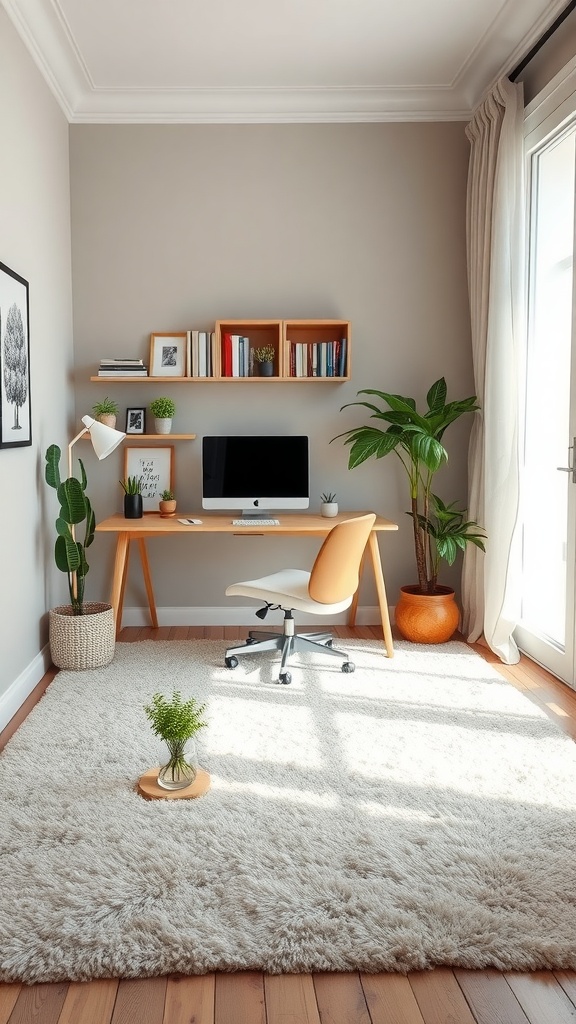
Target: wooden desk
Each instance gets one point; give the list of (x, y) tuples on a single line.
[(291, 524)]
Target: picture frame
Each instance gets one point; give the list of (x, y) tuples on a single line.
[(136, 421), (168, 354), (15, 406), (155, 465)]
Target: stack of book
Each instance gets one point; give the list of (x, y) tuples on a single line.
[(318, 359), (237, 356), (122, 368), (200, 353)]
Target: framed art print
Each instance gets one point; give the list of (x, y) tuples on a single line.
[(155, 467), (136, 421), (15, 409), (168, 355)]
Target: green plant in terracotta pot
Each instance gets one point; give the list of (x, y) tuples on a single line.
[(106, 411), (440, 530), (167, 503)]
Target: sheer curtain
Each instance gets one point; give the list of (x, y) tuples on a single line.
[(495, 204)]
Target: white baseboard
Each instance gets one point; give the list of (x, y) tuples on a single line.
[(235, 616), (12, 700)]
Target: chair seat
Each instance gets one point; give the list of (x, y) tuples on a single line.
[(287, 588)]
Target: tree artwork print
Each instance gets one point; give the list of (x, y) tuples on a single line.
[(15, 412)]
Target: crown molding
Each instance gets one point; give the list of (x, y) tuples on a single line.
[(48, 39)]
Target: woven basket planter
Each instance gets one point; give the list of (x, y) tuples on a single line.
[(82, 641)]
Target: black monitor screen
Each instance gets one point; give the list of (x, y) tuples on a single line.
[(248, 467)]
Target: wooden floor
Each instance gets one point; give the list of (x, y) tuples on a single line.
[(441, 996)]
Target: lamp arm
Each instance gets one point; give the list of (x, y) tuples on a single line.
[(71, 445)]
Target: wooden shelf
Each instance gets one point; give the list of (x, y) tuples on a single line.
[(154, 437)]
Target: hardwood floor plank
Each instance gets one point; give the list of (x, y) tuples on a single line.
[(161, 633), (89, 1002), (390, 999), (8, 995), (440, 997), (240, 998), (25, 709), (178, 633), (567, 979), (290, 999), (541, 997), (189, 999), (140, 1001), (39, 1004), (490, 997), (340, 998)]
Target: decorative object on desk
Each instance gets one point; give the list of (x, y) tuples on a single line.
[(106, 411), (440, 530), (176, 722), (168, 355), (15, 409), (155, 467), (167, 503), (264, 357), (132, 487), (136, 421), (163, 410), (329, 506), (81, 635)]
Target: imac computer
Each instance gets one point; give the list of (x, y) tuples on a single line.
[(255, 474)]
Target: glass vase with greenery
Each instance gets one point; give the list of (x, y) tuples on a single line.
[(440, 530), (176, 722)]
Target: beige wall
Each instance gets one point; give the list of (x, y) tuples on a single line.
[(174, 227), (550, 59), (35, 242)]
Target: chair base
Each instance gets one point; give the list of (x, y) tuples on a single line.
[(288, 644)]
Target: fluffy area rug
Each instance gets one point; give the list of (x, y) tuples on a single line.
[(418, 812)]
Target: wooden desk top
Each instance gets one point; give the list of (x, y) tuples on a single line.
[(153, 524)]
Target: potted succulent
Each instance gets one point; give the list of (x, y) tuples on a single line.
[(329, 507), (426, 611), (106, 411), (132, 487), (163, 410), (167, 503), (264, 356), (176, 722), (82, 635)]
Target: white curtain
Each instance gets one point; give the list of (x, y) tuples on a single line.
[(495, 205)]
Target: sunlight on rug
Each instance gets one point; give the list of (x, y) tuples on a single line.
[(418, 812)]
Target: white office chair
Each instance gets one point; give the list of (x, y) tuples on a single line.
[(327, 590)]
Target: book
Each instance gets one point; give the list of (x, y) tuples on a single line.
[(342, 359), (226, 355)]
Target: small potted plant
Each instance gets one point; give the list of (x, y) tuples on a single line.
[(163, 410), (132, 488), (329, 507), (106, 411), (167, 503), (176, 722), (264, 357)]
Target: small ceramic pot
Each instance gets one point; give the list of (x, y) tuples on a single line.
[(168, 508), (133, 506), (163, 426), (266, 369), (108, 418), (329, 509)]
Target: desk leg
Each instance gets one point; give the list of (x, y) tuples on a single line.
[(354, 606), (148, 581), (381, 589), (119, 578)]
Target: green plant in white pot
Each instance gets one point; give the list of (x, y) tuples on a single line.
[(163, 410), (439, 530), (81, 635), (176, 722)]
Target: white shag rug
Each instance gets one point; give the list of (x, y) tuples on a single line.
[(418, 812)]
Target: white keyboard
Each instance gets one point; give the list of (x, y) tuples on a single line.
[(255, 522)]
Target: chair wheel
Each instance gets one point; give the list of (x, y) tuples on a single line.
[(348, 666), (250, 640), (231, 662), (285, 677)]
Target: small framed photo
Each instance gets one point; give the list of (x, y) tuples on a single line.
[(136, 421), (168, 355), (15, 410), (155, 466)]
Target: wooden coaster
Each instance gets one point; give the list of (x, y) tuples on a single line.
[(148, 787)]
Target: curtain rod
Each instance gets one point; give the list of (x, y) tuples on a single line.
[(544, 39)]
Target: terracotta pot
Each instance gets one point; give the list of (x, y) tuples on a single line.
[(426, 618), (108, 418), (168, 508)]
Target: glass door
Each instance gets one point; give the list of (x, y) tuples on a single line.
[(547, 628)]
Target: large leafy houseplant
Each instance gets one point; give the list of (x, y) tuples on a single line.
[(440, 530), (75, 508)]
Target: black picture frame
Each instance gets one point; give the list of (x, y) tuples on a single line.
[(15, 403), (136, 421)]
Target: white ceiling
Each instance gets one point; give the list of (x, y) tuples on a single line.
[(217, 61)]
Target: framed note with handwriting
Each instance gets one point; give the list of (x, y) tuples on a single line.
[(155, 467)]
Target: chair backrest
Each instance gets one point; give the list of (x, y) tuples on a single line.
[(336, 572)]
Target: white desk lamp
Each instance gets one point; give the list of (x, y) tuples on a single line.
[(104, 439)]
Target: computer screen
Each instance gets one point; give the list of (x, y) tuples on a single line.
[(255, 473)]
